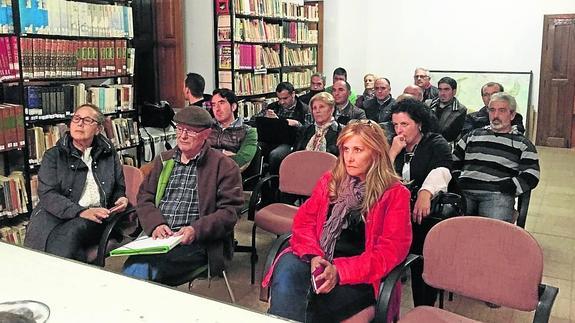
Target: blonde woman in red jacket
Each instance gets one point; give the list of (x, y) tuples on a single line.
[(354, 229)]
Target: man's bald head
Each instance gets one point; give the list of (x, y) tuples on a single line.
[(414, 91)]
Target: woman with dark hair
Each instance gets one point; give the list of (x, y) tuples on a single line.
[(423, 159), (354, 228), (322, 134), (80, 179)]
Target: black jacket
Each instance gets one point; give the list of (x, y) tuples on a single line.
[(61, 181), (378, 112)]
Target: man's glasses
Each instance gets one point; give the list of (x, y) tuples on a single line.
[(420, 76), (189, 132), (86, 120)]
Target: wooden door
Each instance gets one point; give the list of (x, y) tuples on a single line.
[(170, 50), (556, 109)]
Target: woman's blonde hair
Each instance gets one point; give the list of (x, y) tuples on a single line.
[(380, 175), (324, 97)]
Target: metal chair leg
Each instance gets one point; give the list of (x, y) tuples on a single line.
[(229, 287), (254, 255)]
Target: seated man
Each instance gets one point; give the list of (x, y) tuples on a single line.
[(378, 109), (340, 74), (194, 86), (229, 134), (449, 111), (194, 191), (344, 109), (288, 107), (497, 163), (316, 86), (480, 118)]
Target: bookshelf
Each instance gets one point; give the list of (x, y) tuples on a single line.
[(260, 43), (54, 56)]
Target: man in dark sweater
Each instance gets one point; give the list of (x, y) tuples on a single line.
[(344, 109), (497, 163), (480, 119), (316, 86), (378, 109), (449, 111), (422, 79)]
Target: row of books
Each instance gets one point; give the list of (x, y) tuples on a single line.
[(13, 195), (57, 58), (299, 79), (250, 84), (41, 139), (273, 8), (247, 109), (122, 132), (11, 126), (70, 18), (14, 234), (9, 67), (300, 56), (6, 20), (59, 101), (257, 30), (299, 33), (249, 56)]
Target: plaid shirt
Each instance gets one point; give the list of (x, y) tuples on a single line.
[(180, 204)]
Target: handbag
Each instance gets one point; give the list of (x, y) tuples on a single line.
[(446, 205), (157, 115)]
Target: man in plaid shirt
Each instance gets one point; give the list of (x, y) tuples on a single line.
[(193, 191)]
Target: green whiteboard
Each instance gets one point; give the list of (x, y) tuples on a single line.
[(469, 85)]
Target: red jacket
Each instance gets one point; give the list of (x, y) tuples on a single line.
[(387, 241)]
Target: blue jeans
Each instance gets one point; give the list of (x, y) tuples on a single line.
[(291, 296), (289, 288), (493, 205)]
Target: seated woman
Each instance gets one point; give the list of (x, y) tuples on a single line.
[(80, 178), (424, 161), (355, 226), (322, 134)]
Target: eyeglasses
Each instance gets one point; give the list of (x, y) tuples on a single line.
[(189, 132), (420, 76), (86, 120)]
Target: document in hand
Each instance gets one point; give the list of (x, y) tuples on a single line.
[(146, 246)]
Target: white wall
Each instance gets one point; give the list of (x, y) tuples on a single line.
[(199, 40), (391, 38)]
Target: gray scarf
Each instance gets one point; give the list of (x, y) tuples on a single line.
[(349, 199)]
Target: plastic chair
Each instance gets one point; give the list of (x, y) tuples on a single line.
[(125, 222), (298, 175), (505, 269), (375, 313)]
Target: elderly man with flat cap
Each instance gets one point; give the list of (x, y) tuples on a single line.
[(194, 191)]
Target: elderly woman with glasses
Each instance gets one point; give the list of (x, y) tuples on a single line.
[(79, 182), (423, 159), (351, 232)]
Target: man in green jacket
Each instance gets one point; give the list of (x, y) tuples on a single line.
[(229, 133), (193, 191)]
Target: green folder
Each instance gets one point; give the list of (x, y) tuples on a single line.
[(145, 245)]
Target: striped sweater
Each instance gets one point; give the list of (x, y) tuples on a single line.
[(494, 162)]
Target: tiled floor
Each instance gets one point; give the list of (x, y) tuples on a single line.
[(550, 220)]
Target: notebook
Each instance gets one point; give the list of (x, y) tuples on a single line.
[(275, 131), (145, 245)]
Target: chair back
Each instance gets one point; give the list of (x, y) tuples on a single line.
[(300, 171), (486, 259), (251, 175), (133, 178)]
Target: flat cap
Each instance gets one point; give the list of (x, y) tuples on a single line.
[(194, 116)]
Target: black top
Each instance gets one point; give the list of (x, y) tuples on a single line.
[(433, 151), (351, 241)]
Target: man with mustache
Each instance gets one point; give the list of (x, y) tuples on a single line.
[(496, 163)]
